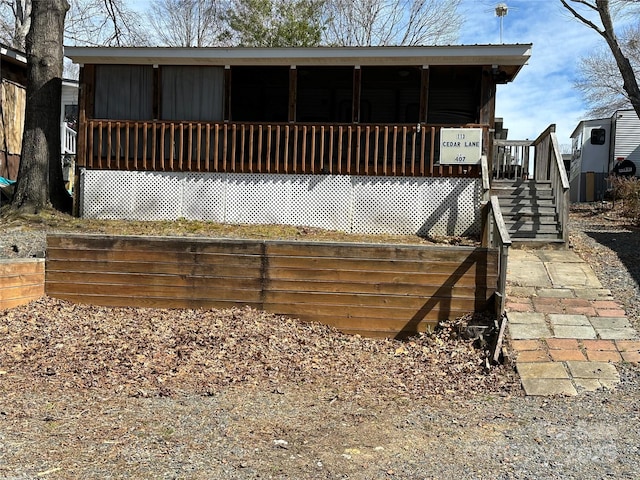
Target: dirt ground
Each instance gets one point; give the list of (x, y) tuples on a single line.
[(93, 392)]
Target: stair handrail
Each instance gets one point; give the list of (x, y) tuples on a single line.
[(486, 177), (560, 183), (549, 166), (496, 235)]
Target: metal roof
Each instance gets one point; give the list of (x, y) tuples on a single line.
[(13, 55), (508, 57)]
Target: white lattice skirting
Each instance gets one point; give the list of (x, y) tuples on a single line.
[(357, 204)]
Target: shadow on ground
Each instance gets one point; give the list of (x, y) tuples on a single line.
[(626, 245)]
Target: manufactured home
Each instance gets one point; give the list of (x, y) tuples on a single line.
[(358, 139), (596, 144)]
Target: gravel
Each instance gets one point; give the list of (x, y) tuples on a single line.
[(19, 242), (611, 246), (307, 404)]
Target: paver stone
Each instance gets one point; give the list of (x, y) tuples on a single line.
[(522, 331), (542, 370), (548, 387), (574, 331), (595, 370), (610, 322), (565, 319), (617, 333), (525, 317)]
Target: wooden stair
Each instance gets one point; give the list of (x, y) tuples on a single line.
[(529, 211)]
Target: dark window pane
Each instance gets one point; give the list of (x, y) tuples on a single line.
[(598, 136), (324, 94), (390, 95), (124, 92), (260, 94)]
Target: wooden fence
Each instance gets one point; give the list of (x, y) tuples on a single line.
[(369, 289), (292, 148), (21, 281)]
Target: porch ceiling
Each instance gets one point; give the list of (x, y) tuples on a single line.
[(509, 58)]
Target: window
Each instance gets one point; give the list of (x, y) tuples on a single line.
[(124, 92), (324, 94), (454, 94), (260, 94), (71, 116), (192, 93), (390, 95), (598, 136)]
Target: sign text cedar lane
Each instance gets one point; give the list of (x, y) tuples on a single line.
[(460, 146)]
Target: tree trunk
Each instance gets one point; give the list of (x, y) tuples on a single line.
[(630, 83), (40, 183)]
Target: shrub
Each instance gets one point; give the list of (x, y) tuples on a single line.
[(628, 191)]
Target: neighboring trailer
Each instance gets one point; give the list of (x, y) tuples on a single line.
[(595, 146), (625, 131)]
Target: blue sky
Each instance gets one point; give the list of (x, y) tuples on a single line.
[(543, 91)]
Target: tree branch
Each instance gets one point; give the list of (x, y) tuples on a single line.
[(583, 19)]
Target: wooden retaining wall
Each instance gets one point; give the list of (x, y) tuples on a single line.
[(373, 290), (21, 281)]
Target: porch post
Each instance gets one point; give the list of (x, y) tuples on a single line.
[(227, 93), (424, 94), (155, 102), (293, 93), (88, 83), (357, 83), (488, 111)]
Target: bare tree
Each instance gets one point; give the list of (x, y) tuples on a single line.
[(15, 19), (392, 22), (40, 184), (598, 76), (186, 23), (89, 22), (605, 27), (104, 23)]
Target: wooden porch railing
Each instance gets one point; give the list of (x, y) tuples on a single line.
[(340, 149), (68, 137), (511, 158), (549, 166)]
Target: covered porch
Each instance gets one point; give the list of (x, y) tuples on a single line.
[(290, 126), (352, 111)]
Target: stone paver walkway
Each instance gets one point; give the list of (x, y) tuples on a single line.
[(566, 330)]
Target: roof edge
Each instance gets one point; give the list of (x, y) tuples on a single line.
[(505, 54)]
